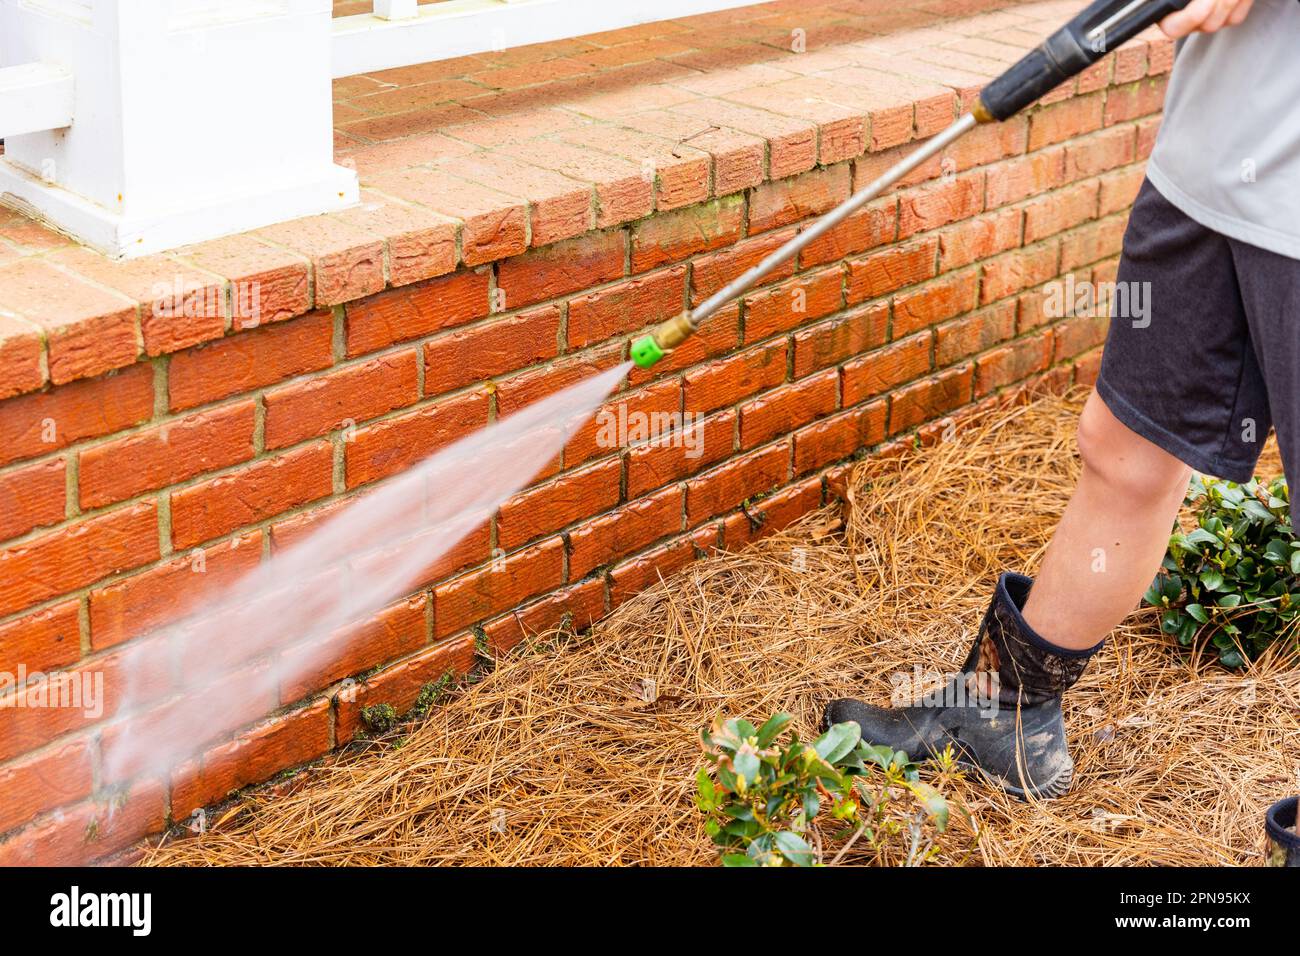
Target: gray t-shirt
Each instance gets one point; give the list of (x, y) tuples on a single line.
[(1228, 151)]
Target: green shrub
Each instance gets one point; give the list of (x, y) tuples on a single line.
[(1236, 576), (763, 799)]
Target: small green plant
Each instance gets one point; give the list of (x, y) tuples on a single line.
[(1236, 575), (764, 799), (380, 718)]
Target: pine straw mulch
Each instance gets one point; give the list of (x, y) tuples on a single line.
[(559, 757)]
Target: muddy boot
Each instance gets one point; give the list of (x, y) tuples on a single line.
[(1283, 838), (1001, 714)]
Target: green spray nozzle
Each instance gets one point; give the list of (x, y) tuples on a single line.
[(649, 349), (646, 351)]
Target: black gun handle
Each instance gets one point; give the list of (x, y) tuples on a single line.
[(1069, 51)]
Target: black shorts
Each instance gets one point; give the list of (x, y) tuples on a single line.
[(1203, 351)]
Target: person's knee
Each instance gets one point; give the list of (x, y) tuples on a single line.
[(1127, 463)]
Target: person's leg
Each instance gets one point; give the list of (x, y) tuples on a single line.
[(1109, 544)]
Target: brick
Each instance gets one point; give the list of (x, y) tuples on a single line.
[(1061, 210), (633, 576), (785, 201), (1008, 274), (400, 684), (1086, 368), (171, 453), (250, 360), (680, 172), (867, 228), (831, 342), (784, 409), (881, 370), (583, 605), (841, 121), (1119, 189), (732, 483), (976, 332), (387, 447), (491, 348), (1077, 335), (555, 504), (561, 268), (606, 539), (979, 238), (941, 299), (772, 514), (419, 244), (935, 205), (1025, 176), (838, 436), (738, 158), (791, 143), (1144, 98), (1065, 120), (268, 487), (500, 586), (42, 782), (88, 330), (893, 268), (42, 641), (1013, 362), (32, 497), (732, 379), (411, 312), (519, 391), (255, 755), (22, 367), (559, 207), (347, 261), (179, 305), (634, 417), (623, 192), (89, 830), (929, 399), (38, 714), (143, 602), (626, 307), (670, 237), (808, 296), (75, 556), (312, 407), (711, 272), (494, 224), (701, 443), (281, 278), (1098, 152), (1098, 240), (394, 632)]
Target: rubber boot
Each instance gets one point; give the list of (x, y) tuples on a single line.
[(1283, 840), (1001, 713)]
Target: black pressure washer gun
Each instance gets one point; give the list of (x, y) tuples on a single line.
[(1102, 27)]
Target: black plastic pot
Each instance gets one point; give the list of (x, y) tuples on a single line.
[(1283, 841)]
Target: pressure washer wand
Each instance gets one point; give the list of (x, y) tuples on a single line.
[(1100, 28)]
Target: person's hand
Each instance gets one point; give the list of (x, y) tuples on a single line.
[(1205, 16)]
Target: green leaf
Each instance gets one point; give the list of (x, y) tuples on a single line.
[(746, 763), (1212, 579), (1198, 613), (775, 724), (838, 741), (794, 848)]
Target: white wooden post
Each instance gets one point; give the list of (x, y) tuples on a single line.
[(191, 119), (396, 9)]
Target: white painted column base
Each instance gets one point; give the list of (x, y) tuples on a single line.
[(127, 237)]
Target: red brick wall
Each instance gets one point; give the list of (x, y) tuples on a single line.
[(923, 304)]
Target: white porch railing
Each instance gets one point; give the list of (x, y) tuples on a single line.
[(141, 125)]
